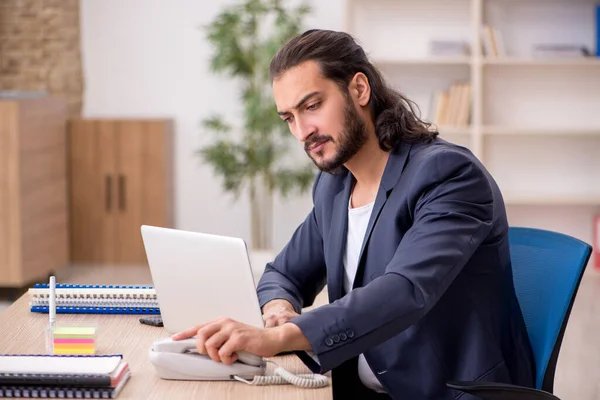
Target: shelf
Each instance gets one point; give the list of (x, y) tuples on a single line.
[(507, 130), (552, 200), (534, 117), (543, 62), (466, 61)]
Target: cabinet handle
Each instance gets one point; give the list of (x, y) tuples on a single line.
[(122, 194), (108, 192)]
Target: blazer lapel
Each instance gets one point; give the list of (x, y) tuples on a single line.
[(391, 175), (337, 239)]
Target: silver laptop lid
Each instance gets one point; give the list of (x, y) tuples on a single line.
[(200, 277)]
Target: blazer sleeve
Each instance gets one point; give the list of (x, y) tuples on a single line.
[(298, 273), (452, 216)]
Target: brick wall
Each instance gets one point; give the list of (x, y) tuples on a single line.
[(40, 48)]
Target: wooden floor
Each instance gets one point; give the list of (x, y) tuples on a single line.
[(578, 372)]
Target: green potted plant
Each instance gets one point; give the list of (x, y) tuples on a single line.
[(245, 37)]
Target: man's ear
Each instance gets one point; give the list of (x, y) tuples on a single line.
[(360, 89)]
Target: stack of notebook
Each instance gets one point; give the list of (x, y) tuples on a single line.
[(95, 299), (52, 376)]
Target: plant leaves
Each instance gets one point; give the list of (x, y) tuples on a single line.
[(243, 46), (216, 124), (227, 160)]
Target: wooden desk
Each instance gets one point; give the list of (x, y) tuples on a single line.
[(21, 331)]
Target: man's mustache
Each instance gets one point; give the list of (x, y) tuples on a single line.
[(315, 140)]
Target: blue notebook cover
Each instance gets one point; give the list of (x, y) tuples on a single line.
[(78, 286), (98, 310)]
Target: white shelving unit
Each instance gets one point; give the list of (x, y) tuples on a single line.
[(534, 122)]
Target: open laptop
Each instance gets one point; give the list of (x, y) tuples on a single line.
[(200, 277)]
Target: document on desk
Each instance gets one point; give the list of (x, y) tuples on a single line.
[(46, 364), (72, 376)]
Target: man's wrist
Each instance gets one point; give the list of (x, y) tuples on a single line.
[(292, 338), (278, 303)]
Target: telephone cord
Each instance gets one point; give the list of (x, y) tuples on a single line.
[(283, 377)]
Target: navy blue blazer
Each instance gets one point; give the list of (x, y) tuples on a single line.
[(433, 299)]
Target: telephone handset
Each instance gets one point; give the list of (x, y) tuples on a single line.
[(179, 360)]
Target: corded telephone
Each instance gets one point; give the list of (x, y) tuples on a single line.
[(179, 360)]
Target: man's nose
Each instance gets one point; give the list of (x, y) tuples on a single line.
[(303, 130)]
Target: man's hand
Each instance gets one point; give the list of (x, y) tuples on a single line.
[(278, 312), (220, 339)]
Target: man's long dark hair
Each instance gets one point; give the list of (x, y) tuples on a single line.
[(340, 57)]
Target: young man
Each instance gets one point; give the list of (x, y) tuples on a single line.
[(408, 231)]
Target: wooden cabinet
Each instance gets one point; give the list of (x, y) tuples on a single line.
[(34, 239), (121, 178)]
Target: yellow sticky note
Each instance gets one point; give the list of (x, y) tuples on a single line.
[(74, 331)]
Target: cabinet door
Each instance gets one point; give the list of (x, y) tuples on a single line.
[(130, 189), (10, 243), (43, 187), (86, 192), (120, 180), (4, 214), (106, 226)]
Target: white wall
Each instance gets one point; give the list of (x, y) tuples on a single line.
[(148, 58)]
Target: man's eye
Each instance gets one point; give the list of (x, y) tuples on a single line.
[(312, 106)]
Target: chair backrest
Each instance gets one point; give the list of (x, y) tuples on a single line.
[(547, 269)]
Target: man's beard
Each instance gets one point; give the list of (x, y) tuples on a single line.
[(350, 141)]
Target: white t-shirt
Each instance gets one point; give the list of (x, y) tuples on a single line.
[(358, 219)]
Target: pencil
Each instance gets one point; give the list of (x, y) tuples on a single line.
[(52, 305)]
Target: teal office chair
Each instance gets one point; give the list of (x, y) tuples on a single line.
[(547, 269)]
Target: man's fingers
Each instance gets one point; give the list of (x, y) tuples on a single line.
[(204, 334), (227, 357), (227, 351), (213, 345), (207, 331), (188, 333)]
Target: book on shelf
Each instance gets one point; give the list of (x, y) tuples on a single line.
[(95, 299), (452, 107), (449, 48), (492, 42), (559, 50), (62, 376)]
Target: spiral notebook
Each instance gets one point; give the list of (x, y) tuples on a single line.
[(95, 299), (62, 376)]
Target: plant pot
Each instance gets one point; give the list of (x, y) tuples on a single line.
[(261, 214)]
